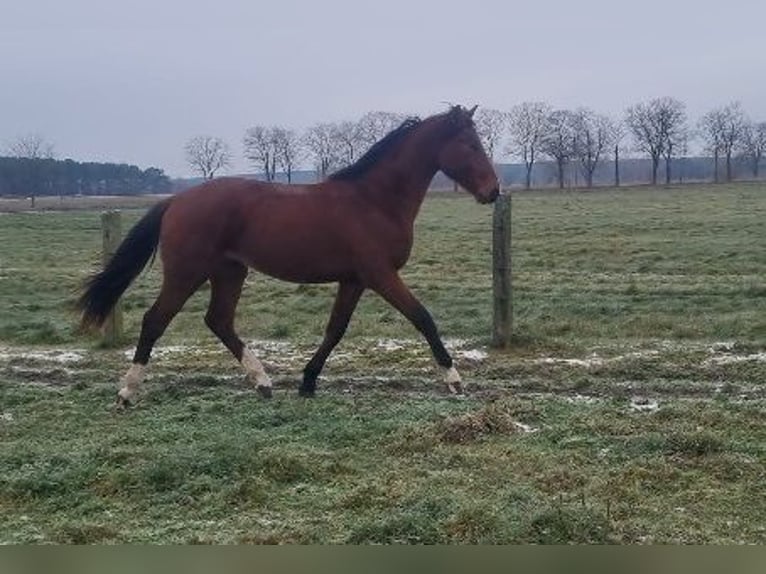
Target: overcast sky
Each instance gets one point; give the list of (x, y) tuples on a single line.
[(132, 81)]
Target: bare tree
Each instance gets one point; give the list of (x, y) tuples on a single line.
[(207, 154), (734, 122), (619, 129), (753, 145), (491, 126), (723, 129), (592, 136), (673, 125), (642, 122), (656, 127), (31, 146), (373, 126), (260, 149), (711, 128), (348, 139), (682, 151), (526, 124), (320, 140), (734, 129), (558, 140), (288, 149), (36, 149)]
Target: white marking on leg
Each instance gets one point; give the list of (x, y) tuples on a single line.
[(254, 368), (453, 380), (131, 380)]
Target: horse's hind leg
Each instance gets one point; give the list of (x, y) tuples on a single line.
[(225, 288), (171, 299), (345, 303)]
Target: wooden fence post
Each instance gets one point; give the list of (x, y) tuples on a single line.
[(502, 324), (111, 228)]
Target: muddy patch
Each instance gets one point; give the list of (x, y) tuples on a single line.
[(392, 366)]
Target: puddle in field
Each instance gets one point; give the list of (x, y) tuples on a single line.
[(459, 347), (583, 399), (719, 353), (163, 351), (390, 344), (643, 405), (725, 353), (594, 360), (50, 356), (731, 359), (473, 354), (525, 428)]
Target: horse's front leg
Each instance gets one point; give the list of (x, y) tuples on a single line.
[(394, 291)]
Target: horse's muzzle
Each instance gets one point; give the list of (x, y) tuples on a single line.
[(491, 196)]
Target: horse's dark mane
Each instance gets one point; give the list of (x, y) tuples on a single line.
[(376, 151)]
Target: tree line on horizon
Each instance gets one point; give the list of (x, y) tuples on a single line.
[(575, 144), (653, 141), (29, 168)]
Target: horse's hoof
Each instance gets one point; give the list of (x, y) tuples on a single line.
[(264, 391), (456, 389), (306, 393), (121, 404)]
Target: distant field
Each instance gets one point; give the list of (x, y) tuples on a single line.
[(630, 408), (49, 203), (589, 267)]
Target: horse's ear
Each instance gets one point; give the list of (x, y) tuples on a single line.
[(472, 111)]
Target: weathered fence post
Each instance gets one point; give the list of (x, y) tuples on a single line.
[(111, 227), (501, 272)]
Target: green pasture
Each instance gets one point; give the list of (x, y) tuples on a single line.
[(630, 408)]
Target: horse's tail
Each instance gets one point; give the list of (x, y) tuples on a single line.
[(103, 289)]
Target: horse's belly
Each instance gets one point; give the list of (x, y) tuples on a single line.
[(298, 267)]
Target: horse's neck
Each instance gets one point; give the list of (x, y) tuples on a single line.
[(400, 186)]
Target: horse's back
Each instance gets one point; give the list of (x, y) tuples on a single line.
[(300, 233)]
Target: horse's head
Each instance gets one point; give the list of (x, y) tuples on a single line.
[(463, 159)]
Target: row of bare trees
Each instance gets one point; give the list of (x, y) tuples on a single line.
[(563, 136), (659, 128), (578, 139), (275, 149), (728, 131)]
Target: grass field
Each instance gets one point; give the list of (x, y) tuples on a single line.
[(629, 410)]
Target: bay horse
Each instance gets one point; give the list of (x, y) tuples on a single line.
[(355, 228)]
